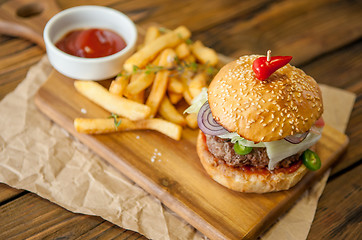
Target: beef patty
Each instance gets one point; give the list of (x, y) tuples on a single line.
[(223, 149)]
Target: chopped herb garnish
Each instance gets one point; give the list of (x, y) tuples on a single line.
[(135, 68), (116, 121), (188, 41), (163, 30), (179, 67), (211, 70), (177, 60)]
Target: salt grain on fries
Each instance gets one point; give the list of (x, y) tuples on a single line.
[(157, 80)]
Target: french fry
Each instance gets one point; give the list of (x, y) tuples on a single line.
[(139, 97), (204, 54), (112, 103), (191, 120), (175, 97), (151, 34), (106, 125), (170, 129), (159, 85), (150, 51), (151, 72), (197, 83), (186, 93), (175, 85), (118, 85), (187, 96), (156, 61), (182, 50), (190, 58), (169, 112), (102, 125), (140, 83)]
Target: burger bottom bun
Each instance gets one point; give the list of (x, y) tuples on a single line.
[(238, 180)]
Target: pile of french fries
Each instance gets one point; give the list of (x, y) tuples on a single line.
[(168, 69)]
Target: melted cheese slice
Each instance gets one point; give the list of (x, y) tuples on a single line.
[(281, 149)]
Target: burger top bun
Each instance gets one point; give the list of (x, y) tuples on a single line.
[(287, 103)]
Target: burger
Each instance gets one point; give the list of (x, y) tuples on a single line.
[(260, 119)]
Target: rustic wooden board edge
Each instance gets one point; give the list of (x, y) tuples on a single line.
[(162, 192)]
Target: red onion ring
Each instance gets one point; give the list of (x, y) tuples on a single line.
[(206, 122), (296, 139)]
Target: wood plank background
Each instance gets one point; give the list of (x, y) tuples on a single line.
[(323, 36)]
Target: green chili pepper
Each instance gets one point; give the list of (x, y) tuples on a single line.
[(311, 160), (242, 150)]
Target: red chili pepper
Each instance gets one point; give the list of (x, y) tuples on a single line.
[(264, 68), (319, 123)]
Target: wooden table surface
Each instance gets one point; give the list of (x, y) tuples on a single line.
[(324, 38)]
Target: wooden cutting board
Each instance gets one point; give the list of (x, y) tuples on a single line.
[(175, 176)]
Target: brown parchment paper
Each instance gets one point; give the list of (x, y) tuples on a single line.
[(41, 157)]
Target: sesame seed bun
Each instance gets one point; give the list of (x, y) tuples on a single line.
[(239, 180), (287, 103)]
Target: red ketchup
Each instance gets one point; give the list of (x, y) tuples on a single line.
[(91, 43)]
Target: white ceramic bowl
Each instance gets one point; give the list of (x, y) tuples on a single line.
[(89, 17)]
